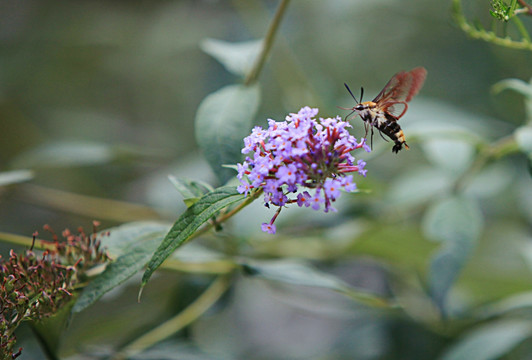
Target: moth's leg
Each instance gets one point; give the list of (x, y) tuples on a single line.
[(366, 127), (380, 133)]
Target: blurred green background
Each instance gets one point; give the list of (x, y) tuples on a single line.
[(98, 99)]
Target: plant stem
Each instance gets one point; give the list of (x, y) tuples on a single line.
[(178, 322), (485, 35), (242, 205), (521, 28), (268, 42), (226, 216), (502, 147), (528, 7)]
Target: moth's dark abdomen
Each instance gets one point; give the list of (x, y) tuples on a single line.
[(392, 129)]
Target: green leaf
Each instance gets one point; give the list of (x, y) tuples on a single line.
[(15, 176), (65, 154), (523, 136), (419, 185), (490, 342), (517, 85), (491, 180), (191, 190), (143, 239), (223, 119), (453, 155), (508, 304), (120, 239), (520, 87), (456, 222), (189, 222), (237, 58), (298, 273)]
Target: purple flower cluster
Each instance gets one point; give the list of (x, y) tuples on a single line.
[(300, 152)]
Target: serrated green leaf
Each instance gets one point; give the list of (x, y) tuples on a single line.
[(189, 222), (143, 238), (223, 119), (15, 176), (237, 58), (457, 223), (298, 273), (490, 342)]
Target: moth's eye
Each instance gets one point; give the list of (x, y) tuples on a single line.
[(360, 107)]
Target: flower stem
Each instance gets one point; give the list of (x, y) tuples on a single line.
[(268, 42), (502, 147), (178, 322), (242, 205), (225, 216)]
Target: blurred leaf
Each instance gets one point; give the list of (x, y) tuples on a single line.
[(401, 245), (66, 153), (430, 119), (223, 120), (419, 185), (190, 190), (520, 87), (449, 154), (195, 258), (517, 85), (508, 304), (491, 341), (298, 273), (15, 176), (491, 180), (196, 253), (143, 239), (189, 222), (50, 329), (457, 223), (81, 153), (237, 58), (167, 350), (90, 206), (121, 238), (523, 136)]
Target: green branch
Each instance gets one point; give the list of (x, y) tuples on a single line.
[(490, 36), (500, 148), (178, 322), (268, 42)]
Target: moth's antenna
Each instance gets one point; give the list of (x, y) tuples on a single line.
[(348, 89), (361, 93)]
